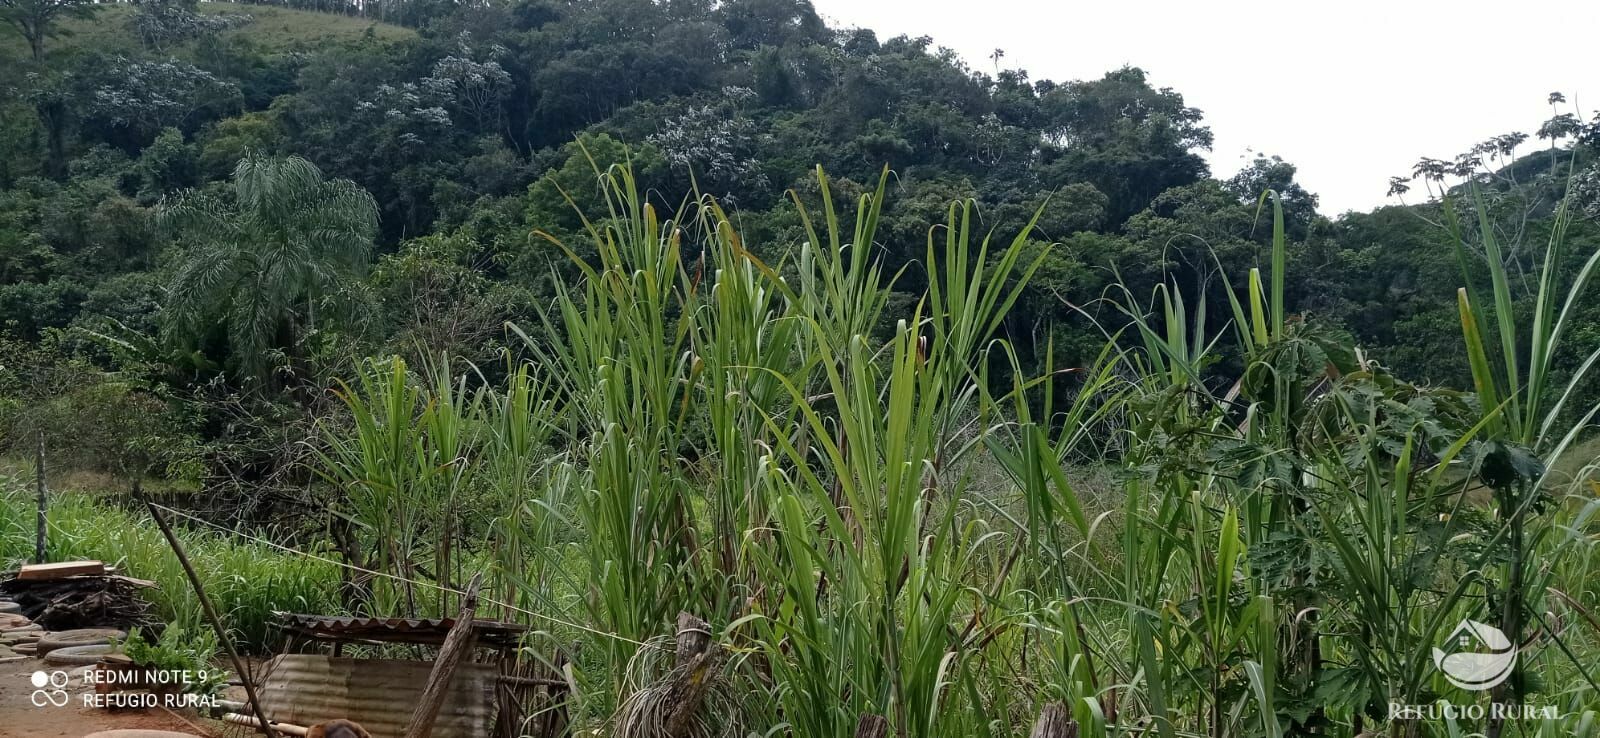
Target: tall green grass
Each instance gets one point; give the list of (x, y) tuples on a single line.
[(886, 514), (247, 582)]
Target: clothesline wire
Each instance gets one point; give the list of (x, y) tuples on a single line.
[(396, 577)]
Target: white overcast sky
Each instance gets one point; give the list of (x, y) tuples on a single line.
[(1350, 91)]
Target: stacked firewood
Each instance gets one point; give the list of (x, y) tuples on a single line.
[(80, 594)]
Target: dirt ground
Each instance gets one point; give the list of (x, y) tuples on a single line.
[(19, 718)]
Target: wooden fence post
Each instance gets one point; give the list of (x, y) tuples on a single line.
[(457, 645), (1054, 722), (41, 547), (691, 674), (694, 637)]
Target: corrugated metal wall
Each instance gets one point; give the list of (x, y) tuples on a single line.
[(305, 689)]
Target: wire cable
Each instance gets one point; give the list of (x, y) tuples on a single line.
[(396, 577)]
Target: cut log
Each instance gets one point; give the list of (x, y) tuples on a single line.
[(62, 570), (251, 722), (79, 601), (136, 733), (872, 726), (1054, 722)]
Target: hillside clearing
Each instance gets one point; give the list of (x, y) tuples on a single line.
[(273, 28)]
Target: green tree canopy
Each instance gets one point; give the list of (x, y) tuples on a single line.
[(38, 20), (259, 259)]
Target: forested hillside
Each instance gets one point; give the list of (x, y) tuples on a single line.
[(471, 126), (949, 398)]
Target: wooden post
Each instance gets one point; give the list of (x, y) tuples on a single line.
[(872, 726), (691, 674), (40, 551), (457, 644), (694, 637), (1054, 722), (211, 614)]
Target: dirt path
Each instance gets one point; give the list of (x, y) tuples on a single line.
[(19, 718)]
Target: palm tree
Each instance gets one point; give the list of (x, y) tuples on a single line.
[(257, 262)]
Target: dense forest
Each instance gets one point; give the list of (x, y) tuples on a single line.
[(471, 132), (229, 233)]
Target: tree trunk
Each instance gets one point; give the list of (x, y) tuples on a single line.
[(53, 114)]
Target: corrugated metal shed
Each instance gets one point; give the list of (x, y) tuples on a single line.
[(380, 694)]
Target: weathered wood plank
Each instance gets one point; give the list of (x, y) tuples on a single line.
[(59, 570)]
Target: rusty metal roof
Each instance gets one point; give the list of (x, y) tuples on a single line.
[(424, 631)]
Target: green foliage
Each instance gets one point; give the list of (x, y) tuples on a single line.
[(1130, 141), (246, 582), (224, 144), (88, 420), (1285, 552), (38, 20), (179, 651), (163, 24), (556, 200), (438, 300), (258, 264), (272, 27), (401, 471), (142, 97), (1211, 465)]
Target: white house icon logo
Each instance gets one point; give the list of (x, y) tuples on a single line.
[(1480, 658)]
